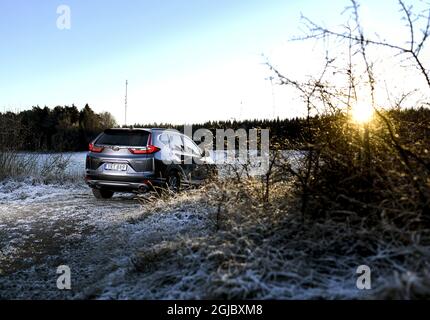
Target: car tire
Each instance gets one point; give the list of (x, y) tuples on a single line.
[(102, 194), (174, 181)]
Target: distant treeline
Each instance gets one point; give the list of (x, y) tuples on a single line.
[(280, 129), (297, 132), (58, 129), (68, 129)]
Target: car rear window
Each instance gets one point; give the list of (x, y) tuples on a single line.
[(124, 138)]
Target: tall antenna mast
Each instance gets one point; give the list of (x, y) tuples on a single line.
[(271, 78), (125, 115)]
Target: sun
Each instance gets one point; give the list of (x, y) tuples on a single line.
[(362, 112)]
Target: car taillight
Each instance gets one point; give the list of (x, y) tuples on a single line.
[(93, 148), (146, 150)]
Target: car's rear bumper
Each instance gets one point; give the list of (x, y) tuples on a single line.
[(122, 182)]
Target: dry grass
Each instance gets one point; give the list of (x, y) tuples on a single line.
[(14, 165), (46, 170), (256, 250)]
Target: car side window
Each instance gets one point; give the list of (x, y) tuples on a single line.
[(176, 143), (164, 139), (191, 147)]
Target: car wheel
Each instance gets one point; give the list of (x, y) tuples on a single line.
[(174, 181), (102, 194)]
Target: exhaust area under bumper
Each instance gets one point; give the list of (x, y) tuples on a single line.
[(138, 186)]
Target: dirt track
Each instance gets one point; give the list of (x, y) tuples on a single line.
[(42, 227)]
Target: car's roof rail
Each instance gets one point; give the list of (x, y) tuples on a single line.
[(142, 129), (127, 129)]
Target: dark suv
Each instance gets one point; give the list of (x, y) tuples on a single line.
[(137, 160)]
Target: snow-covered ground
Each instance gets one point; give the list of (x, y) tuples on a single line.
[(45, 226), (42, 227)]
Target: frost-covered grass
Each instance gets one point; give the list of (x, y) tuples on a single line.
[(254, 251)]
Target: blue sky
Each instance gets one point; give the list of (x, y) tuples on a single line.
[(188, 60)]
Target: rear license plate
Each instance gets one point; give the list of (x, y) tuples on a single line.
[(116, 166)]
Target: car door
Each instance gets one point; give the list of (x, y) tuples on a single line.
[(193, 152), (179, 156)]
